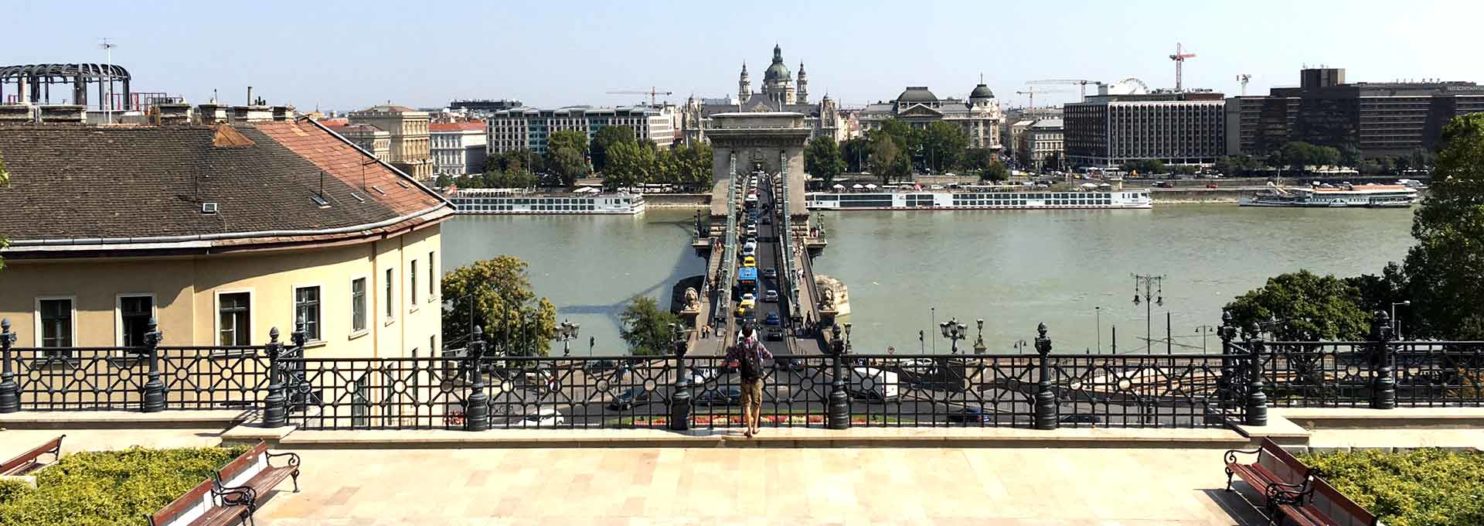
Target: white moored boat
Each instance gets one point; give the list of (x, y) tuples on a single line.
[(971, 198), (505, 202), (1342, 196)]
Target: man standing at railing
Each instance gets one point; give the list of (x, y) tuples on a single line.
[(747, 358)]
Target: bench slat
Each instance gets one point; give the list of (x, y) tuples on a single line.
[(25, 462)]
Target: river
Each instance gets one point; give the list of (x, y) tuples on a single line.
[(1071, 269)]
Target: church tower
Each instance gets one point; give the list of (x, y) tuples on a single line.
[(777, 81), (744, 86), (803, 91)]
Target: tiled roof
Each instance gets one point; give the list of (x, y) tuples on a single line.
[(455, 126), (85, 185)]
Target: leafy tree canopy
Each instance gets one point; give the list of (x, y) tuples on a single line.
[(1446, 266), (943, 144), (1302, 306), (646, 328), (606, 137), (513, 319), (822, 159)]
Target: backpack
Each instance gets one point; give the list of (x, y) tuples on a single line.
[(751, 363)]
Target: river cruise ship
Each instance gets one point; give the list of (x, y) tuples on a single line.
[(493, 201), (1342, 196), (978, 199)]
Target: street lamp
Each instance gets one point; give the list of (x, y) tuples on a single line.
[(979, 346), (565, 332), (847, 337), (1396, 324), (1150, 299), (954, 331), (1204, 331)]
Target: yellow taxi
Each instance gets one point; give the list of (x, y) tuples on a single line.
[(749, 261)]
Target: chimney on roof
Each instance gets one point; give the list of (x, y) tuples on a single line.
[(17, 113), (283, 113), (63, 113), (211, 113), (174, 113)]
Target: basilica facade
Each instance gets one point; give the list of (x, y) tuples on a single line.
[(780, 93)]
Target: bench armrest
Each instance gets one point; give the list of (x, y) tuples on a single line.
[(1283, 492), (237, 495), (293, 458), (1231, 454)]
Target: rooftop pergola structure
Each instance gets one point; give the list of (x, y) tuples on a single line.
[(33, 83)]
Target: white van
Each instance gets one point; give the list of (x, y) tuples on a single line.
[(873, 384)]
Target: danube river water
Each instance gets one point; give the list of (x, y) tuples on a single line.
[(1072, 269)]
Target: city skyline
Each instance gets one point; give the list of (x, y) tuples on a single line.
[(304, 58)]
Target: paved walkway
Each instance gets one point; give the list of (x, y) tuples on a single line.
[(758, 486)]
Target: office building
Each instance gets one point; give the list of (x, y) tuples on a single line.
[(1379, 119), (1043, 144), (529, 128), (1107, 130)]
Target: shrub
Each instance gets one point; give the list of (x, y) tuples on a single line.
[(1424, 487), (110, 487)]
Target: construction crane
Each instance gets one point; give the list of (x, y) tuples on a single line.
[(1179, 58), (1243, 78), (1032, 91), (1081, 83), (653, 94)]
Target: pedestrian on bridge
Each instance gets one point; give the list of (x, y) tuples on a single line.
[(747, 358)]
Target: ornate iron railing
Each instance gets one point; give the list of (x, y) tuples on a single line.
[(1350, 374), (115, 379)]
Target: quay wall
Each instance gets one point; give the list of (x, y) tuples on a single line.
[(686, 201)]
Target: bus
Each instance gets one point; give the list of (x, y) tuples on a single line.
[(747, 280)]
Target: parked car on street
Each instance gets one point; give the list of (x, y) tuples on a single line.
[(544, 417), (969, 415), (721, 395), (626, 400)]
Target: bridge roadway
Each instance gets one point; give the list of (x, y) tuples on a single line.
[(770, 260)]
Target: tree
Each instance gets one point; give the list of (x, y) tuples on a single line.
[(1445, 268), (694, 163), (887, 159), (1236, 165), (822, 159), (995, 172), (1147, 167), (519, 178), (856, 150), (646, 328), (1302, 306), (1185, 169), (442, 181), (907, 139), (1349, 155), (977, 160), (516, 161), (629, 165), (1299, 155), (498, 297), (568, 165), (1378, 293), (573, 139), (943, 144), (606, 137), (1053, 161)]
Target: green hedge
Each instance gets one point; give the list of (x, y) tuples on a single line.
[(100, 488), (1423, 487)]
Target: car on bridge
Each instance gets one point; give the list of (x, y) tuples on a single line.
[(770, 272), (774, 334), (748, 301), (772, 319), (749, 261), (771, 296)]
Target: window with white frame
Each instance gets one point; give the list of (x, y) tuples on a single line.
[(234, 319), (307, 312), (390, 282), (135, 312), (412, 288), (358, 305), (55, 316)]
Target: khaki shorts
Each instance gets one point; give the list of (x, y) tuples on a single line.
[(752, 394)]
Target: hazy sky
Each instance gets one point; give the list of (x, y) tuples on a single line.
[(348, 54)]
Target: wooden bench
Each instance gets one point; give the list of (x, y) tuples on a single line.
[(1322, 505), (1276, 475), (203, 505), (250, 476), (26, 462)]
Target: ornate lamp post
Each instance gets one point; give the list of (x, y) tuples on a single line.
[(10, 393), (954, 331), (979, 346), (1045, 408), (1150, 298), (680, 403), (839, 405), (477, 408), (154, 389), (275, 409), (565, 332)]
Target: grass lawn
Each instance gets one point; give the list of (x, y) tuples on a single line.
[(99, 488), (1423, 487)]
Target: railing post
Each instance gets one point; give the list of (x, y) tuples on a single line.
[(1225, 386), (1257, 400), (1383, 391), (477, 406), (10, 393), (839, 405), (275, 406), (1045, 400), (154, 389)]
